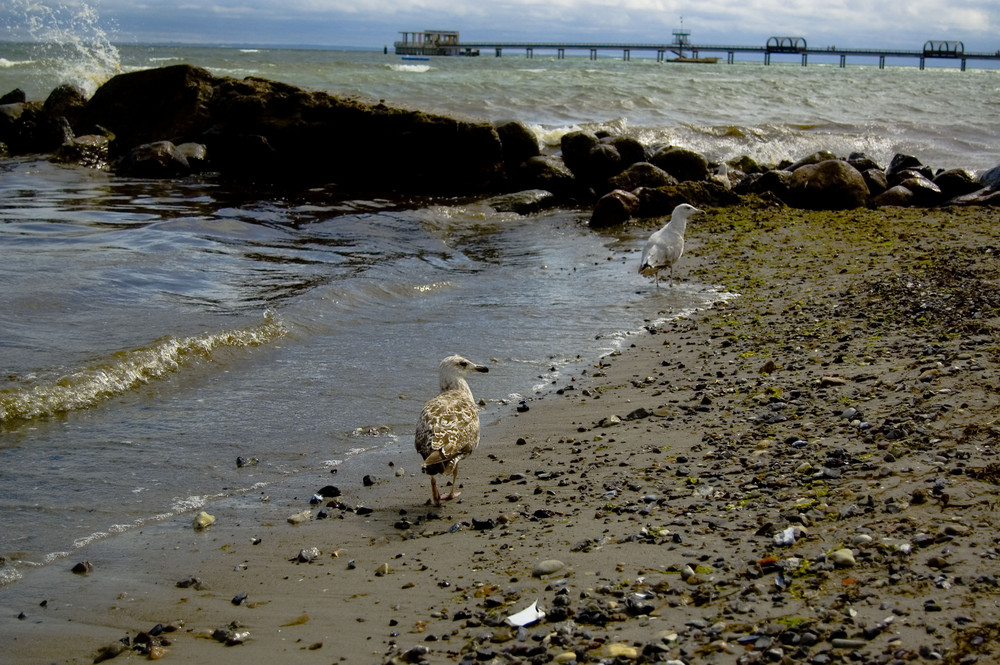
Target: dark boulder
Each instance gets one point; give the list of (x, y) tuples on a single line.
[(518, 143), (661, 201), (15, 96), (548, 173), (164, 104), (614, 208), (875, 179), (576, 147), (829, 185), (925, 192), (956, 182), (523, 203), (642, 174), (259, 129), (630, 149), (815, 158), (26, 129), (160, 159), (90, 150), (603, 162), (894, 196), (991, 178), (681, 163), (67, 101), (900, 163), (863, 162), (776, 182)]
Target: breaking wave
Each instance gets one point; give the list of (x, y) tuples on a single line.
[(125, 371)]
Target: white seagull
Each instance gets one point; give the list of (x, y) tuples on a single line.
[(448, 429), (666, 245)]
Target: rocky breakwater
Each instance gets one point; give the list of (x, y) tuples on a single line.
[(178, 120), (627, 179)]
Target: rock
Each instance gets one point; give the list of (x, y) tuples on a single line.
[(991, 178), (614, 208), (308, 555), (576, 147), (328, 492), (67, 101), (299, 518), (863, 162), (603, 162), (830, 185), (900, 163), (681, 163), (161, 159), (775, 182), (660, 201), (526, 202), (925, 192), (518, 144), (265, 130), (630, 150), (550, 174), (842, 558), (642, 174), (875, 179), (547, 567), (382, 570), (956, 182), (83, 568), (109, 651), (15, 96), (894, 196), (815, 158)]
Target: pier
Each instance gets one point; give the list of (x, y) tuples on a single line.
[(682, 50)]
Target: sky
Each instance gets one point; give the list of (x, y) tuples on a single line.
[(905, 24)]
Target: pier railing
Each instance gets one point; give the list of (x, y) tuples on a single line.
[(775, 46)]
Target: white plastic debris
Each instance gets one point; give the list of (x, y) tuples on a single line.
[(528, 615)]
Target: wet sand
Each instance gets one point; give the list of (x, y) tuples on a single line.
[(807, 472)]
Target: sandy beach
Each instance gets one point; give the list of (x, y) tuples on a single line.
[(806, 473)]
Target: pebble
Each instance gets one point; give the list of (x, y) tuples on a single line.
[(842, 558), (299, 518), (308, 555), (83, 568), (548, 567)]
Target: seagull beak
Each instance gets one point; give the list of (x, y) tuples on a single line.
[(482, 368)]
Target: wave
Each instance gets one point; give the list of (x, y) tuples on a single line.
[(419, 69), (6, 64), (125, 371)]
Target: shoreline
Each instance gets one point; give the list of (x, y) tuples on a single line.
[(660, 480)]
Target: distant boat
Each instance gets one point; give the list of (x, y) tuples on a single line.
[(414, 57)]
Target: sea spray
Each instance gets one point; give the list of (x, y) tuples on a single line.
[(69, 38)]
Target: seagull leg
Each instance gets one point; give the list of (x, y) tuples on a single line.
[(434, 492), (454, 484)]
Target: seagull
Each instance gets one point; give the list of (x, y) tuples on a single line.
[(666, 245), (448, 428)]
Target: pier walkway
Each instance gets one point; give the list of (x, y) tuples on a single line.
[(775, 46)]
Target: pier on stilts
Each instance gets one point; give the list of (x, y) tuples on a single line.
[(776, 49)]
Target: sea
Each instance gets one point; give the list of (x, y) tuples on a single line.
[(168, 346)]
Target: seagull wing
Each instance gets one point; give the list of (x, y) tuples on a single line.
[(448, 428), (661, 250)]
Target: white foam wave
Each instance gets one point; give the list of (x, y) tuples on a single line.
[(419, 69), (5, 63), (127, 370)]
